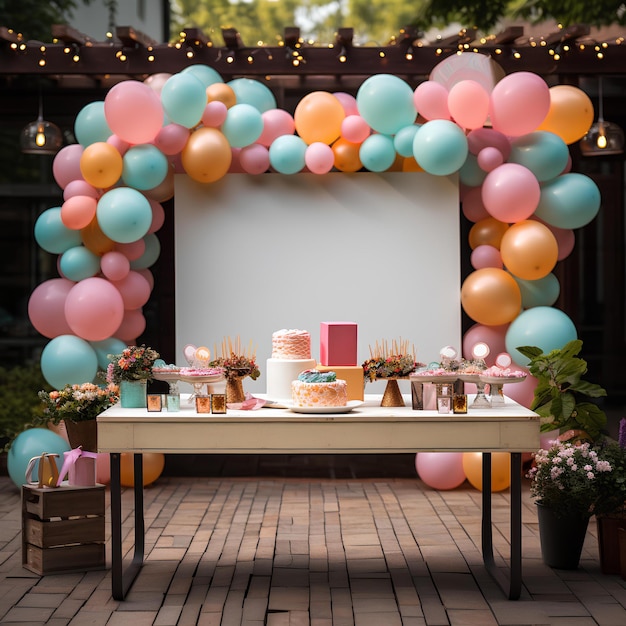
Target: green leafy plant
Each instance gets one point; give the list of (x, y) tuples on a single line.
[(560, 395)]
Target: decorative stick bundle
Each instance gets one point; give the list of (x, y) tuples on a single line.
[(233, 347), (398, 347)]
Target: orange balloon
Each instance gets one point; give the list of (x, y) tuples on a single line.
[(95, 240), (500, 470), (570, 115), (411, 165), (487, 232), (490, 296), (78, 211), (207, 155), (347, 156), (529, 250), (101, 164), (318, 117), (221, 92), (153, 464)]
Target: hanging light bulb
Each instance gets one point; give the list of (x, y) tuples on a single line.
[(603, 138), (40, 136)]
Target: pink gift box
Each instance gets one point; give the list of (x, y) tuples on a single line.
[(338, 343), (83, 472)]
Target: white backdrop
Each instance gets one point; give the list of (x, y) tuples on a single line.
[(255, 254)]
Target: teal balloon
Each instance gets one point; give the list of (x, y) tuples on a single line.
[(403, 140), (78, 263), (545, 327), (440, 147), (541, 292), (150, 254), (287, 154), (207, 75), (249, 91), (377, 153), (569, 201), (52, 235), (243, 125), (145, 167), (385, 102), (29, 444), (183, 97), (103, 348), (471, 174), (90, 125), (68, 359), (124, 214), (545, 154)]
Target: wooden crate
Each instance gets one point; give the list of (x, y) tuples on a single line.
[(63, 529)]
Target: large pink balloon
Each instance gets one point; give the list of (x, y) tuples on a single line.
[(493, 336), (468, 103), (66, 165), (511, 192), (133, 111), (440, 470), (171, 138), (276, 122), (431, 100), (94, 309), (519, 103), (132, 326), (46, 307), (134, 290)]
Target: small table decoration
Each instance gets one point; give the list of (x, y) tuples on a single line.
[(131, 370), (237, 365)]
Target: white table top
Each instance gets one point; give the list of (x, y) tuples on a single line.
[(369, 428)]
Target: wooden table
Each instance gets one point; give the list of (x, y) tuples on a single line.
[(368, 429)]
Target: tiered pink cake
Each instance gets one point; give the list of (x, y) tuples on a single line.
[(291, 354), (315, 389)]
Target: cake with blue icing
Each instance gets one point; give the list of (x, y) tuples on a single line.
[(314, 389)]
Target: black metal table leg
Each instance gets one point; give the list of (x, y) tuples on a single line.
[(511, 584), (121, 580)]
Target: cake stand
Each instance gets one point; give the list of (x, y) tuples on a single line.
[(495, 386), (169, 376), (198, 382), (481, 401)]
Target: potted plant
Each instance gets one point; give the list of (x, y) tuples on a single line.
[(78, 406), (566, 481), (131, 370)]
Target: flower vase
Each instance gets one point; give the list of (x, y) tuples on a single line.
[(561, 537), (392, 395), (234, 389), (133, 394), (84, 434)]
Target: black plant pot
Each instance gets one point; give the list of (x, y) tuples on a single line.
[(562, 538)]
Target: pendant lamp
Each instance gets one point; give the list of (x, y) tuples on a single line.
[(41, 136), (603, 138)]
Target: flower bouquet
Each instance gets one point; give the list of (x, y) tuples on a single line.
[(131, 370), (236, 364)]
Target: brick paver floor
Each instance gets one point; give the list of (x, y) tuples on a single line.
[(321, 551)]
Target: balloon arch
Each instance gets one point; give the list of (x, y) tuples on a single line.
[(508, 141)]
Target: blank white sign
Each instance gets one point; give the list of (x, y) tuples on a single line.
[(255, 254)]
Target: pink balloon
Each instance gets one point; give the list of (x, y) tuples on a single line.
[(133, 111), (158, 217), (319, 158), (114, 265), (524, 392), (493, 336), (80, 188), (348, 102), (78, 211), (355, 129), (431, 100), (511, 192), (156, 81), (134, 290), (235, 163), (440, 470), (468, 103), (473, 206), (276, 123), (103, 468), (119, 144), (489, 158), (214, 114), (519, 103), (132, 326), (147, 274), (132, 251), (485, 256), (255, 159), (172, 138), (480, 138), (94, 309), (46, 307), (66, 165)]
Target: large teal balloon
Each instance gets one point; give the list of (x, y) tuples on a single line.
[(569, 201), (377, 153), (545, 154), (541, 292), (207, 75), (145, 167), (29, 444), (90, 125), (385, 102), (544, 327), (150, 254), (68, 359), (183, 97), (287, 154), (440, 147), (105, 347), (248, 91), (243, 125), (52, 234), (78, 263), (124, 214)]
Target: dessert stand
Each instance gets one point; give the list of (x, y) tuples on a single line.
[(197, 382)]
